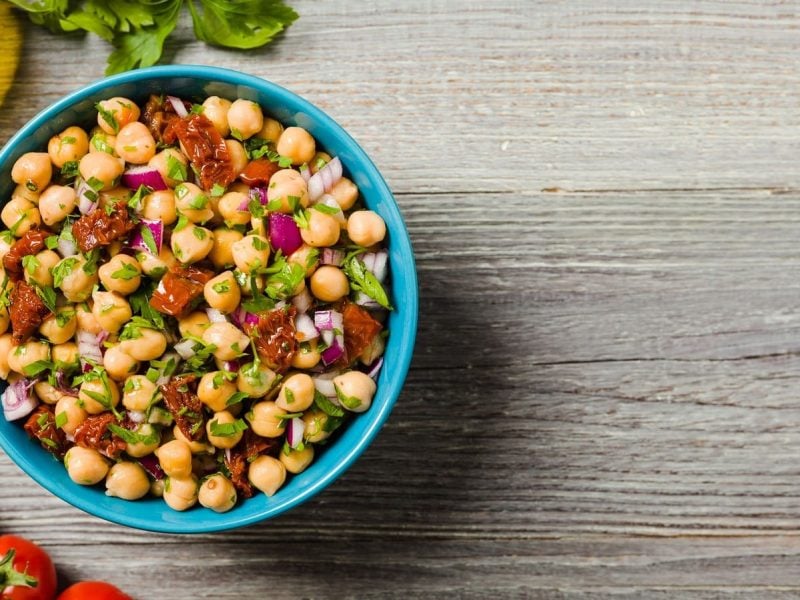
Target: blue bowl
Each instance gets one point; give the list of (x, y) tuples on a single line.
[(198, 82)]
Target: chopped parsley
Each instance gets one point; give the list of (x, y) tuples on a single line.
[(30, 263), (227, 429), (362, 280), (176, 169), (108, 116), (135, 201), (127, 272)]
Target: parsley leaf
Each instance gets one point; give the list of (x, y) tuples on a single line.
[(362, 280), (127, 272), (227, 429)]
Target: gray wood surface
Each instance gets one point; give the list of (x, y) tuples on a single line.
[(605, 205)]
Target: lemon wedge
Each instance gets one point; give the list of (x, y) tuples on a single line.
[(10, 45)]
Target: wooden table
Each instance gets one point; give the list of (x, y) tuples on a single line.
[(604, 205)]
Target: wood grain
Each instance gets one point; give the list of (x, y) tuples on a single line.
[(604, 205)]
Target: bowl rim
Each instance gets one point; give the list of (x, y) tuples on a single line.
[(402, 243)]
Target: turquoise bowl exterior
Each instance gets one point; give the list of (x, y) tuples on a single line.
[(197, 82)]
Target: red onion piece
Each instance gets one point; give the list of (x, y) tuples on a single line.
[(89, 349), (324, 384), (323, 180), (375, 368), (178, 105), (17, 400), (366, 301), (185, 348), (240, 317), (66, 247), (64, 385), (294, 432), (333, 352), (156, 228), (331, 202), (305, 172), (144, 175), (284, 234), (150, 464), (332, 257), (86, 205), (231, 366), (328, 320), (137, 416), (376, 263), (303, 301), (304, 328), (216, 316), (256, 193)]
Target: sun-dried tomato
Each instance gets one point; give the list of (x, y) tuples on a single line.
[(258, 172), (178, 288), (159, 115), (32, 242), (94, 433), (274, 338), (206, 150), (360, 330), (26, 311), (236, 463), (186, 408), (41, 425), (101, 228)]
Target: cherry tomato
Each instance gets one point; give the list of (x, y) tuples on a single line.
[(29, 564), (94, 590)]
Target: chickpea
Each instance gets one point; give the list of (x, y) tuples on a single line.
[(98, 394), (148, 346), (101, 167), (118, 364), (297, 144), (116, 113), (217, 493), (86, 320), (60, 328), (356, 390), (193, 202), (270, 131), (73, 412), (69, 145), (76, 283), (111, 310), (264, 419), (229, 208), (65, 356), (316, 423), (238, 155), (215, 109), (366, 227), (33, 170), (288, 187), (267, 474), (5, 319), (221, 254), (102, 142), (297, 461), (157, 488), (121, 274), (38, 267), (181, 493), (191, 243), (245, 118), (85, 466), (127, 480), (20, 216), (345, 193), (175, 458), (147, 444), (196, 447), (222, 292), (135, 143), (21, 191), (5, 244), (215, 389), (26, 354), (320, 160), (329, 284), (55, 203), (256, 379), (307, 356), (251, 253), (323, 230), (194, 324), (6, 345), (228, 339), (297, 393), (160, 206), (222, 441), (172, 165), (138, 393), (156, 266), (307, 257), (47, 393)]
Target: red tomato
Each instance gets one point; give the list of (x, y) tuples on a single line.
[(29, 559), (93, 590)]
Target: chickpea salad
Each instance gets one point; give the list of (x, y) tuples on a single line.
[(193, 300)]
